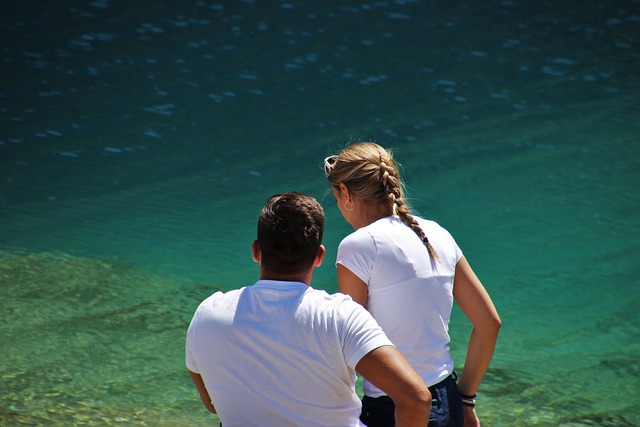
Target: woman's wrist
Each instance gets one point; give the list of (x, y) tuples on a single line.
[(469, 400)]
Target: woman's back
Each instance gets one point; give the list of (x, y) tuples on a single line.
[(409, 293), (402, 269)]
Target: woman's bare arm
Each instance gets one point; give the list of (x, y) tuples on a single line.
[(352, 285), (476, 304)]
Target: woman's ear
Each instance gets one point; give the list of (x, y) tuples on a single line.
[(344, 191), (256, 252)]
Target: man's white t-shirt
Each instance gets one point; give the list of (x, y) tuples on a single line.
[(281, 354), (410, 295)]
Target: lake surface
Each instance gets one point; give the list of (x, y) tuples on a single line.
[(139, 141)]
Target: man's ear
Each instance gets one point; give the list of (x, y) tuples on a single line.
[(256, 252), (320, 256)]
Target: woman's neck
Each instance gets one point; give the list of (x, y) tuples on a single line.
[(371, 212)]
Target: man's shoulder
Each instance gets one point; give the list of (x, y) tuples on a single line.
[(220, 297), (337, 300), (321, 293)]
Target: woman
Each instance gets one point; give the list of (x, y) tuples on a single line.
[(407, 271)]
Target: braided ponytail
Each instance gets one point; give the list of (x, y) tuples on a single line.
[(405, 216), (393, 186), (370, 173)]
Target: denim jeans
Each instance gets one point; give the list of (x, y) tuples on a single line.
[(446, 407)]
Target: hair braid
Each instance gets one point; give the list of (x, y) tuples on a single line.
[(370, 173), (389, 184), (405, 216), (393, 187)]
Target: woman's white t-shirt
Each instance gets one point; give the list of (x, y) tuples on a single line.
[(409, 294)]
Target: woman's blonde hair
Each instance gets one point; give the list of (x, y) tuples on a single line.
[(370, 173)]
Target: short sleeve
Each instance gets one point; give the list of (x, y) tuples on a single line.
[(358, 253), (190, 360), (361, 334)]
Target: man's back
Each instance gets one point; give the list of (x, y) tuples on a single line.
[(281, 353)]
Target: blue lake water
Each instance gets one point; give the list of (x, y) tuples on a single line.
[(139, 140)]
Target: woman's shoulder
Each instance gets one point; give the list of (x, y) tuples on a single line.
[(433, 228), (429, 224), (360, 236)]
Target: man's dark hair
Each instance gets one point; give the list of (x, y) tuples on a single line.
[(290, 231)]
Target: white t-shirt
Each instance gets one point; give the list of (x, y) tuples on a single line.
[(281, 354), (410, 295)]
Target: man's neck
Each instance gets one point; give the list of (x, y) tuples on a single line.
[(298, 277)]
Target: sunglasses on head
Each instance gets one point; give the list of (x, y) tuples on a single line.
[(329, 163)]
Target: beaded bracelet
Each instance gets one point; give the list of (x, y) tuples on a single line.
[(469, 400)]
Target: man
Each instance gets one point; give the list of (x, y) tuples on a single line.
[(280, 353)]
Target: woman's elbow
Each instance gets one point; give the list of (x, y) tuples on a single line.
[(489, 327), (494, 324)]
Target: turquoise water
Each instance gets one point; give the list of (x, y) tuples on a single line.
[(138, 143)]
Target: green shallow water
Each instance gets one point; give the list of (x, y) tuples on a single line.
[(138, 144)]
